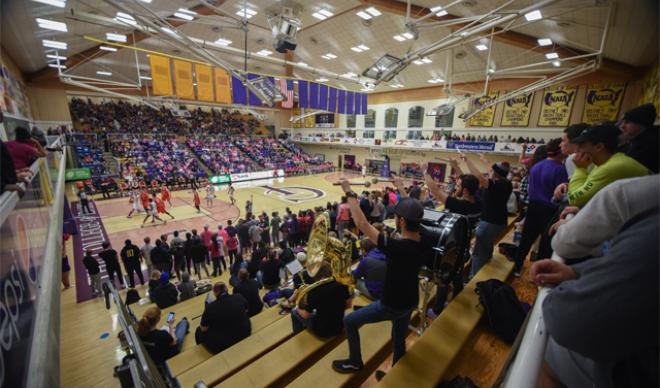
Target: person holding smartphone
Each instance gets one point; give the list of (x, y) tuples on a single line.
[(161, 344)]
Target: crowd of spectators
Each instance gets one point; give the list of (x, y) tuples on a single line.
[(221, 154)]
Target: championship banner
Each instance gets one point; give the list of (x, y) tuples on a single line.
[(160, 75), (222, 89), (485, 117), (516, 111), (332, 100), (297, 123), (183, 79), (204, 82), (310, 121), (602, 103), (557, 106)]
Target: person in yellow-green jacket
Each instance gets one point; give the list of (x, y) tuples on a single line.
[(598, 145)]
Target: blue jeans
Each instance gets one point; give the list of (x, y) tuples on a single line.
[(486, 234), (180, 331), (299, 323), (377, 312)]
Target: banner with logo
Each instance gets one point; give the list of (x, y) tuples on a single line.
[(248, 176), (161, 77), (556, 106), (471, 145), (204, 79), (485, 117), (222, 88), (77, 174), (219, 179), (602, 103), (184, 80), (516, 111), (310, 121)]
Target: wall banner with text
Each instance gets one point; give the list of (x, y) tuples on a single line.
[(516, 111), (602, 103), (483, 118), (556, 106)]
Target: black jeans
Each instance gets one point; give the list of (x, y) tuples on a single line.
[(112, 270), (538, 216), (133, 268)]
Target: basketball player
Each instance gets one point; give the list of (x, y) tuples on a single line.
[(364, 171), (144, 197), (210, 193), (196, 200), (231, 191), (165, 195), (160, 206), (134, 200), (153, 212)]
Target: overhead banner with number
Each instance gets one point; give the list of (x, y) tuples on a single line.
[(602, 103), (222, 88), (557, 106), (516, 111), (161, 76), (204, 79), (485, 117), (184, 80)]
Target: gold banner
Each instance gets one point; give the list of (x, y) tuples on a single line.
[(557, 106), (203, 75), (183, 79), (516, 111), (222, 88), (161, 76), (484, 118), (297, 123), (651, 87), (603, 103), (310, 121)]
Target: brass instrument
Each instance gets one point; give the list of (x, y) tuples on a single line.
[(321, 247)]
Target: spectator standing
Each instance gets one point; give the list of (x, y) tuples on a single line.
[(145, 251), (130, 255), (111, 259), (93, 271), (275, 222)]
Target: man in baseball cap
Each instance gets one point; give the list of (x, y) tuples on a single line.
[(598, 144), (639, 138)]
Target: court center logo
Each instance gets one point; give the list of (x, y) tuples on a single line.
[(295, 194)]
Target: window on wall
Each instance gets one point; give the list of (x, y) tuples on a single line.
[(391, 117), (350, 121), (389, 135), (444, 120), (414, 135), (415, 117), (368, 134), (370, 119)]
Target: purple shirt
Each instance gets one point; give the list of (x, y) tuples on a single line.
[(544, 177)]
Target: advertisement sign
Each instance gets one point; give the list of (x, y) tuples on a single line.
[(220, 179), (248, 176), (556, 107), (516, 111), (77, 174), (471, 145), (602, 103), (483, 118)]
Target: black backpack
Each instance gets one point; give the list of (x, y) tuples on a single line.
[(503, 309)]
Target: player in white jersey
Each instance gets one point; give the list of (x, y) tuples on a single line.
[(210, 194), (134, 200)]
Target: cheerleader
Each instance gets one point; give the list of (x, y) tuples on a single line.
[(165, 195)]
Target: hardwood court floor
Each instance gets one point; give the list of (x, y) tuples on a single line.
[(86, 359)]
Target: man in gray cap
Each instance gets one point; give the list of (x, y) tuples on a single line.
[(404, 258)]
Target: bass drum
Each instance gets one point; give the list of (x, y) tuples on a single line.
[(447, 235)]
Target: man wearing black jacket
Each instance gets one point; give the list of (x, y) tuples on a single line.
[(640, 137), (130, 255), (111, 260), (165, 294)]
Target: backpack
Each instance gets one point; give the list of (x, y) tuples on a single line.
[(502, 308), (132, 296)]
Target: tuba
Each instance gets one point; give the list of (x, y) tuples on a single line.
[(320, 248)]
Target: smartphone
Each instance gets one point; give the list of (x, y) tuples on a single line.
[(170, 317)]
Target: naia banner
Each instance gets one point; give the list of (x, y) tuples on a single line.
[(556, 106), (483, 118), (204, 82), (223, 91), (160, 75), (516, 111), (184, 81), (602, 103)]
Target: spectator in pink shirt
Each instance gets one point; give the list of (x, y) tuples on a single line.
[(24, 150)]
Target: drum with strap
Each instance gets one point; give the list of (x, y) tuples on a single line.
[(448, 236)]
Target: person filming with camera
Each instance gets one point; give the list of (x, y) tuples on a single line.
[(404, 258)]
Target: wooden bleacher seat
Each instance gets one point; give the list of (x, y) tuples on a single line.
[(198, 354), (426, 362)]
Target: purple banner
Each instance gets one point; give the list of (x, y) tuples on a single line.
[(332, 103), (313, 95), (323, 97), (358, 103), (254, 100), (303, 96), (238, 91), (350, 108), (342, 102), (364, 103)]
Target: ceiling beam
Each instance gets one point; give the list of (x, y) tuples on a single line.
[(511, 38)]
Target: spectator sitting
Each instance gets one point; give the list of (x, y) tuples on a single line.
[(160, 344), (640, 138), (154, 281), (186, 287), (370, 272), (165, 294), (249, 288), (302, 277), (224, 321), (24, 150), (270, 271), (235, 267)]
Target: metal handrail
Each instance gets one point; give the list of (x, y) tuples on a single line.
[(44, 361)]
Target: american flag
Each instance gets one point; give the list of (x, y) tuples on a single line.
[(286, 86)]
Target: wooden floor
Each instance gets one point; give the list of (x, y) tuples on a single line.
[(88, 355)]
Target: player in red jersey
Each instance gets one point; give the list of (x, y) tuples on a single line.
[(160, 206), (165, 195), (196, 200)]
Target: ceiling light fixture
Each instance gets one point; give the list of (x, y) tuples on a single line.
[(349, 74), (552, 55), (373, 11), (56, 66), (556, 63), (223, 42), (323, 14), (481, 47), (246, 13), (54, 3), (146, 1), (106, 73), (321, 79), (107, 48), (533, 15), (435, 80), (58, 57), (544, 42), (144, 77), (51, 25), (396, 85), (439, 11), (399, 38), (125, 18), (364, 15), (111, 36), (54, 44), (186, 14), (328, 56), (264, 52)]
